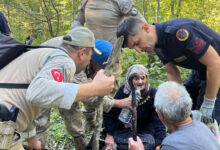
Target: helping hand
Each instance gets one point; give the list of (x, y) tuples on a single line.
[(135, 145), (33, 143), (109, 142)]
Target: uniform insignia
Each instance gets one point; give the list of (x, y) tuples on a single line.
[(197, 45), (182, 34), (57, 75), (180, 59)]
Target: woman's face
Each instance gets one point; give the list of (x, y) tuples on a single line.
[(96, 67), (140, 81)]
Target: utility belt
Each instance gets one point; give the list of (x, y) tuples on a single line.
[(7, 126)]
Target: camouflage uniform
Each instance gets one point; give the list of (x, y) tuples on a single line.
[(102, 18), (108, 14)]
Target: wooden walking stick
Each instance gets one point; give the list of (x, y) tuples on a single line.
[(110, 69), (133, 106)]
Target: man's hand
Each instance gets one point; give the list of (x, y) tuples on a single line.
[(103, 84), (123, 103), (33, 143), (109, 142), (135, 145)]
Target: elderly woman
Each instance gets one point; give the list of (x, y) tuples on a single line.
[(149, 127)]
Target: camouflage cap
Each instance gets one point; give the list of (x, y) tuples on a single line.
[(82, 37)]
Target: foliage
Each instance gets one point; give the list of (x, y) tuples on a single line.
[(58, 138)]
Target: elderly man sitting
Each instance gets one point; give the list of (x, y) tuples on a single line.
[(173, 105)]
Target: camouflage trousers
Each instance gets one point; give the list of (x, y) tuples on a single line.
[(76, 125), (17, 146)]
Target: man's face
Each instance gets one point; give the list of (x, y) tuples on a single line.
[(85, 60), (141, 42)]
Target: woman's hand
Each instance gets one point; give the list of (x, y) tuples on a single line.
[(157, 147), (135, 145), (33, 143), (109, 142)]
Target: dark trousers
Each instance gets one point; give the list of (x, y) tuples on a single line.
[(121, 139), (196, 89)]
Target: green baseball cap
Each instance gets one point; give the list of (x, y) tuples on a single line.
[(82, 37)]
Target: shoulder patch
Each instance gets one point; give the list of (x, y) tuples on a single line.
[(57, 75), (180, 59), (182, 34), (126, 6)]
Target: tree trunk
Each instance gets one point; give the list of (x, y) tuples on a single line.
[(158, 10), (144, 9), (73, 10), (58, 17), (179, 9), (172, 8)]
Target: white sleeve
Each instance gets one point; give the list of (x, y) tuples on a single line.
[(50, 87)]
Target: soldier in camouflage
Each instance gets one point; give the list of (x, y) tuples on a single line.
[(73, 117), (102, 18)]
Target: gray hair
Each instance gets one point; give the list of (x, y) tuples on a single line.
[(173, 101)]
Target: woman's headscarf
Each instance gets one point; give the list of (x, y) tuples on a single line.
[(139, 69)]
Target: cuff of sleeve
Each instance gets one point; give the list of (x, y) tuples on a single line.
[(108, 104), (158, 141), (208, 103), (28, 134), (69, 95), (110, 132)]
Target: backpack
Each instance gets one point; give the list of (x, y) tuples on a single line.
[(11, 49)]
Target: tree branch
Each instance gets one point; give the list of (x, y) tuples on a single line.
[(109, 70), (25, 10), (58, 17)]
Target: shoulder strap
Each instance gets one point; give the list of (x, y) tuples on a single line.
[(14, 85), (25, 85), (44, 46)]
